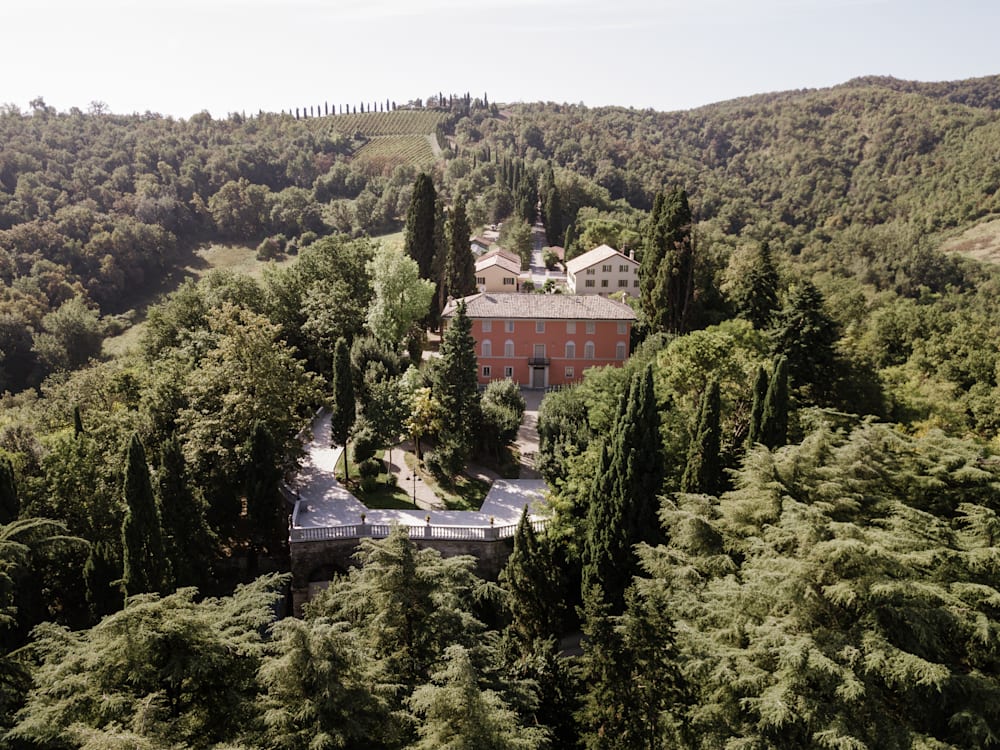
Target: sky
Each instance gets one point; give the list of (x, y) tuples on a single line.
[(180, 57)]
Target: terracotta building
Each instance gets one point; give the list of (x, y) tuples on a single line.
[(541, 340)]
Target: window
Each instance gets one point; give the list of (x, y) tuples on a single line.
[(539, 326), (486, 371), (604, 283), (539, 350), (508, 281), (570, 326), (508, 348), (508, 372), (606, 268), (590, 326), (487, 326), (635, 283), (508, 326), (620, 350), (570, 350), (622, 328), (588, 350), (589, 282), (487, 348), (622, 282), (623, 268), (569, 373), (591, 271), (481, 280)]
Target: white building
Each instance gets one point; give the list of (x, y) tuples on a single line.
[(603, 271)]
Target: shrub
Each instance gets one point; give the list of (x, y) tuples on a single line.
[(370, 468)]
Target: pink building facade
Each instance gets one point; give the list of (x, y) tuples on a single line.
[(545, 340)]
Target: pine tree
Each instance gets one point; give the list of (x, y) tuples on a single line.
[(703, 472), (774, 416), (528, 578), (420, 220), (144, 563), (262, 487), (623, 503), (10, 505), (757, 409), (188, 539), (806, 335), (343, 409), (755, 293)]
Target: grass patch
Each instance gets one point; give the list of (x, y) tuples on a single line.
[(461, 493), (384, 493)]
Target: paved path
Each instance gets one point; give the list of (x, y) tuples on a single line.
[(422, 495), (527, 434)]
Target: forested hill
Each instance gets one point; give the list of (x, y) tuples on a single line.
[(870, 151)]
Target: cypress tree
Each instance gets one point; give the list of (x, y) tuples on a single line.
[(187, 537), (263, 481), (529, 580), (774, 417), (344, 407), (10, 505), (458, 277), (457, 382), (568, 241), (420, 224), (703, 472), (143, 568), (623, 500), (757, 409), (77, 422), (673, 289), (553, 216), (101, 574)]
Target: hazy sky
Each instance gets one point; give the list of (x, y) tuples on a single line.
[(179, 57)]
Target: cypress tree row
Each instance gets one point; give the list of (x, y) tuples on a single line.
[(624, 496), (703, 472), (144, 565), (187, 537), (343, 409), (418, 241)]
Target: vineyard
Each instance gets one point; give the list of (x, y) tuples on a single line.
[(373, 124), (387, 152)]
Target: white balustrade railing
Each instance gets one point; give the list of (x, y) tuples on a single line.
[(421, 531)]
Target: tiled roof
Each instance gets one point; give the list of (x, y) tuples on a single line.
[(542, 307), (497, 250), (499, 259), (597, 255)]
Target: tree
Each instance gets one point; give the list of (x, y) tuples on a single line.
[(806, 335), (774, 415), (515, 235), (502, 409), (418, 242), (170, 671), (318, 688), (456, 383), (10, 506), (667, 267), (144, 564), (458, 277), (425, 418), (455, 712), (343, 409), (622, 508), (187, 538), (530, 580), (70, 336), (754, 288), (703, 473), (402, 296), (262, 488), (760, 385)]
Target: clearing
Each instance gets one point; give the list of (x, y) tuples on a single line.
[(981, 241)]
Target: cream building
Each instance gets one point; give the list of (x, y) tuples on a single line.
[(603, 271)]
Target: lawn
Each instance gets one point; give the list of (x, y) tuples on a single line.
[(386, 492), (462, 493)]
